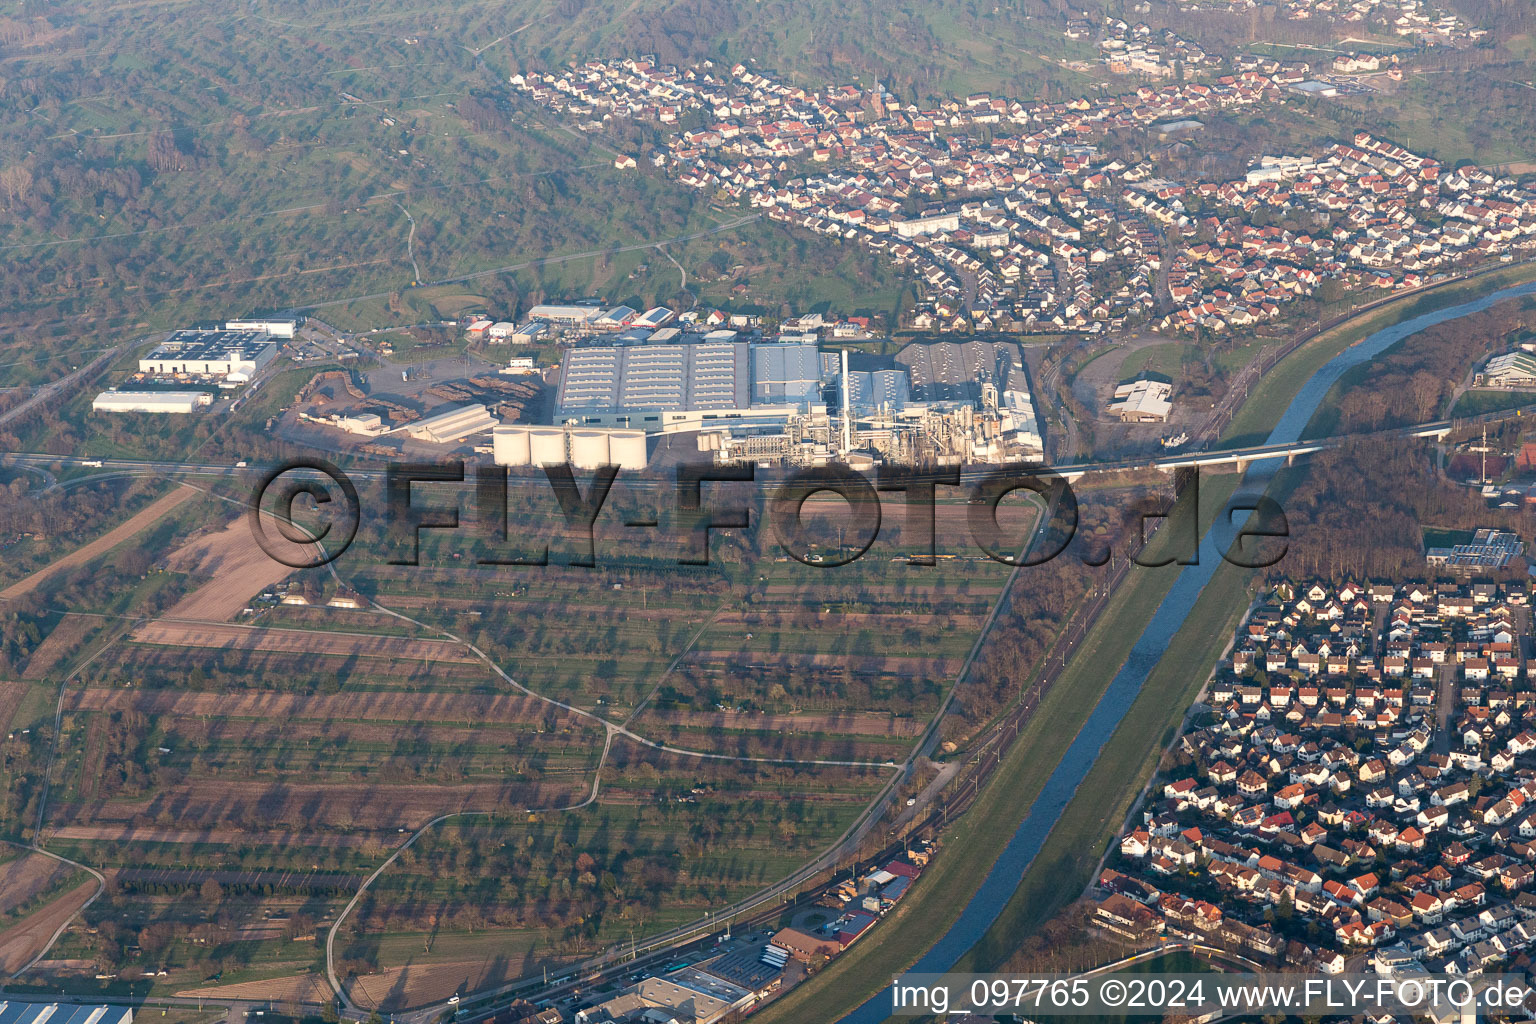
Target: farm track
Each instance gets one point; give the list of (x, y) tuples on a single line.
[(101, 545), (220, 636)]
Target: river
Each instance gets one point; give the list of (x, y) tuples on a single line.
[(999, 885)]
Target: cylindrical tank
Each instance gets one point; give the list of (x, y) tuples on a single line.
[(627, 449), (546, 446), (509, 446), (589, 448)]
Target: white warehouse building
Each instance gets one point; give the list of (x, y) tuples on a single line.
[(152, 401), (452, 425)]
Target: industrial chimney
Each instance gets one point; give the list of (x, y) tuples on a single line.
[(847, 409)]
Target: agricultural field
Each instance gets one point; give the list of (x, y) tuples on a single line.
[(651, 740)]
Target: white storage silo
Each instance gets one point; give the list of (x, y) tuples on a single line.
[(546, 446), (509, 446), (589, 448), (627, 449)]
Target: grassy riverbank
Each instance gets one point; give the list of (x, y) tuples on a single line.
[(1278, 389)]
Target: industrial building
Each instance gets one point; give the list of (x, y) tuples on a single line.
[(870, 391), (369, 424), (654, 317), (786, 374), (275, 328), (975, 406), (531, 332), (618, 316), (1489, 551), (764, 401), (686, 995), (18, 1012), (565, 314), (152, 401), (234, 355), (1509, 370), (1142, 401), (452, 425), (950, 371), (636, 385)]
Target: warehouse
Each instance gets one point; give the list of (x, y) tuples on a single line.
[(452, 425), (655, 317), (947, 371), (1142, 401), (565, 314), (211, 353), (152, 401), (786, 374), (531, 332), (612, 385), (14, 1012), (618, 316)]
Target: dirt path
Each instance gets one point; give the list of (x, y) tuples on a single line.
[(373, 843), (102, 544), (853, 723), (358, 706), (303, 988), (23, 941), (221, 636)]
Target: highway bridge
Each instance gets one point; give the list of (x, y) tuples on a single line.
[(1438, 430)]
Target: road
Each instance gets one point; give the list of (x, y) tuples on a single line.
[(63, 384), (410, 244), (347, 1006), (1166, 253), (1445, 706)]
